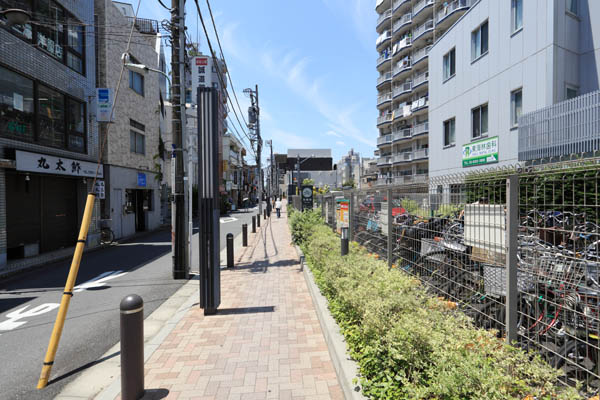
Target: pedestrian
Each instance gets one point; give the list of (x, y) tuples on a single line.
[(278, 207)]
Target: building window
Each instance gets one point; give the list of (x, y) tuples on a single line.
[(479, 41), (76, 125), (75, 46), (51, 117), (571, 91), (137, 142), (572, 6), (136, 82), (449, 64), (50, 34), (479, 119), (201, 78), (188, 96), (516, 106), (24, 31), (17, 108), (449, 132), (517, 14)]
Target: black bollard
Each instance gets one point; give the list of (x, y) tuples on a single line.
[(245, 235), (344, 241), (132, 347), (230, 250), (258, 220), (253, 224), (265, 213)]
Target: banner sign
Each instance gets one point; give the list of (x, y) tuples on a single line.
[(104, 104), (141, 181), (343, 213), (46, 164), (481, 152), (307, 197)]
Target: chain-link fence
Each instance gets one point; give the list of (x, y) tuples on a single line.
[(517, 251)]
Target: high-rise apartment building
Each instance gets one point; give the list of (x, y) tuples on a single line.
[(407, 29)]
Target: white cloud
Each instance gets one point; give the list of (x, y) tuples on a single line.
[(333, 133), (291, 140), (340, 143)]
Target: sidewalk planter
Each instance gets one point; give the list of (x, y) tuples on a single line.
[(407, 344)]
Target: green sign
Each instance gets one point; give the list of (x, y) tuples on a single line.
[(481, 152)]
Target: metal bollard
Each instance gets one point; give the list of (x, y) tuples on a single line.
[(253, 224), (344, 241), (265, 213), (132, 347), (258, 220), (229, 250), (245, 235)]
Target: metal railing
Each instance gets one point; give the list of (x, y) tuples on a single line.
[(420, 79), (383, 160), (383, 17), (384, 139), (382, 38), (517, 251), (398, 3), (423, 127), (419, 103), (383, 98), (400, 134), (421, 153), (422, 29), (404, 20), (405, 87), (384, 118), (146, 26), (403, 65), (449, 8), (417, 8), (561, 130), (420, 54), (402, 44), (382, 59), (384, 77)]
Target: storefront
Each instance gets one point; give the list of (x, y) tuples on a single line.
[(45, 198)]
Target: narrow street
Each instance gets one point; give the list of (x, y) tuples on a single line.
[(29, 302)]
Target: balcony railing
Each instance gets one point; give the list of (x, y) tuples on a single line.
[(405, 133), (420, 54), (384, 118), (402, 44), (417, 8), (404, 20), (403, 65), (422, 29), (146, 26), (421, 128), (384, 160), (383, 17), (383, 37), (383, 59), (420, 79), (384, 139), (445, 11), (560, 130), (384, 77), (383, 98), (419, 104), (405, 87), (421, 153), (398, 3)]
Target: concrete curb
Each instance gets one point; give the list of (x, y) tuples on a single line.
[(103, 380), (346, 369)]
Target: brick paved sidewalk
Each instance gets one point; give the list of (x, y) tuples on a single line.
[(264, 342)]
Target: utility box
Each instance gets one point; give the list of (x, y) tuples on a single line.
[(485, 231)]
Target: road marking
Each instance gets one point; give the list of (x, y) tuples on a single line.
[(227, 219), (98, 281), (14, 317)]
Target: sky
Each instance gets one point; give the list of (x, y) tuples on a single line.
[(313, 61)]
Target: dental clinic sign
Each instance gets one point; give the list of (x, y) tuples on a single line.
[(481, 152)]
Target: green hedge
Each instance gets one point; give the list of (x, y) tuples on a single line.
[(409, 345)]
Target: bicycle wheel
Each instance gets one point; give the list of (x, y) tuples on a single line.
[(106, 236)]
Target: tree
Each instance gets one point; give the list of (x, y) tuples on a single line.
[(308, 181), (349, 183)]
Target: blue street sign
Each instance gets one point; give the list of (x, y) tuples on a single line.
[(141, 179)]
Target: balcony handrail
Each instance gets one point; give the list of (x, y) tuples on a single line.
[(382, 58), (384, 77), (421, 153), (443, 12), (402, 65), (424, 27), (398, 3), (421, 5), (383, 37), (421, 78), (418, 55), (421, 128), (384, 139), (384, 16), (384, 97), (405, 19), (144, 25)]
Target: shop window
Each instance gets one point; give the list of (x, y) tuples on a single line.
[(16, 106), (129, 206), (148, 200), (50, 33), (51, 118), (76, 124)]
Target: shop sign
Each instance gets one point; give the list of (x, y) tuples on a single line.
[(201, 61), (307, 197), (343, 214), (100, 190), (141, 179), (47, 164), (104, 104), (480, 152)]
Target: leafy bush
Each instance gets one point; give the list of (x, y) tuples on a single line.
[(301, 223), (409, 345)]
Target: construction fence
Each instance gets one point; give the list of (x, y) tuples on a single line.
[(517, 250)]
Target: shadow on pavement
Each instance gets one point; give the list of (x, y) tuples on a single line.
[(155, 394), (83, 367), (7, 304), (262, 266), (245, 310)]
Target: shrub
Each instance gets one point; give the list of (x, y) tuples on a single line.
[(407, 344), (302, 223)]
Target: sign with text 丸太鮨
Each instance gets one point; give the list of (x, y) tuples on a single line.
[(47, 164), (481, 152)]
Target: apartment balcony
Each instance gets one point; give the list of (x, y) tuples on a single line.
[(402, 66), (448, 14), (384, 160), (382, 5), (382, 39), (383, 18), (405, 20), (384, 98), (387, 77), (402, 134), (382, 59), (419, 104), (401, 45), (408, 179), (386, 139), (145, 26), (421, 129), (420, 154), (420, 79), (403, 88), (420, 54), (384, 119), (420, 31), (397, 5), (420, 6), (403, 157)]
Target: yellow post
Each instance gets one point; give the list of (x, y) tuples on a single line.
[(67, 294)]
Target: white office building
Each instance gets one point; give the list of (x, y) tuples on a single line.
[(502, 59), (407, 29)]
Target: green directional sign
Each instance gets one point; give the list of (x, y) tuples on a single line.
[(481, 152)]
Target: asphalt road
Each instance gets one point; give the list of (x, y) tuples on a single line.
[(29, 302)]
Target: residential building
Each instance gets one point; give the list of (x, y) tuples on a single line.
[(349, 168), (233, 169), (48, 131), (500, 60), (133, 150), (368, 176), (407, 29)]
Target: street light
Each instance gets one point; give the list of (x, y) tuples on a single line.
[(141, 68), (16, 16)]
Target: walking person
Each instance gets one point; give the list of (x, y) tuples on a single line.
[(278, 207)]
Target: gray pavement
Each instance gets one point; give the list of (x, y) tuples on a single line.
[(29, 302)]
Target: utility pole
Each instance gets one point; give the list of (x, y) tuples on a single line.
[(298, 182), (254, 123), (178, 222), (271, 180)]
